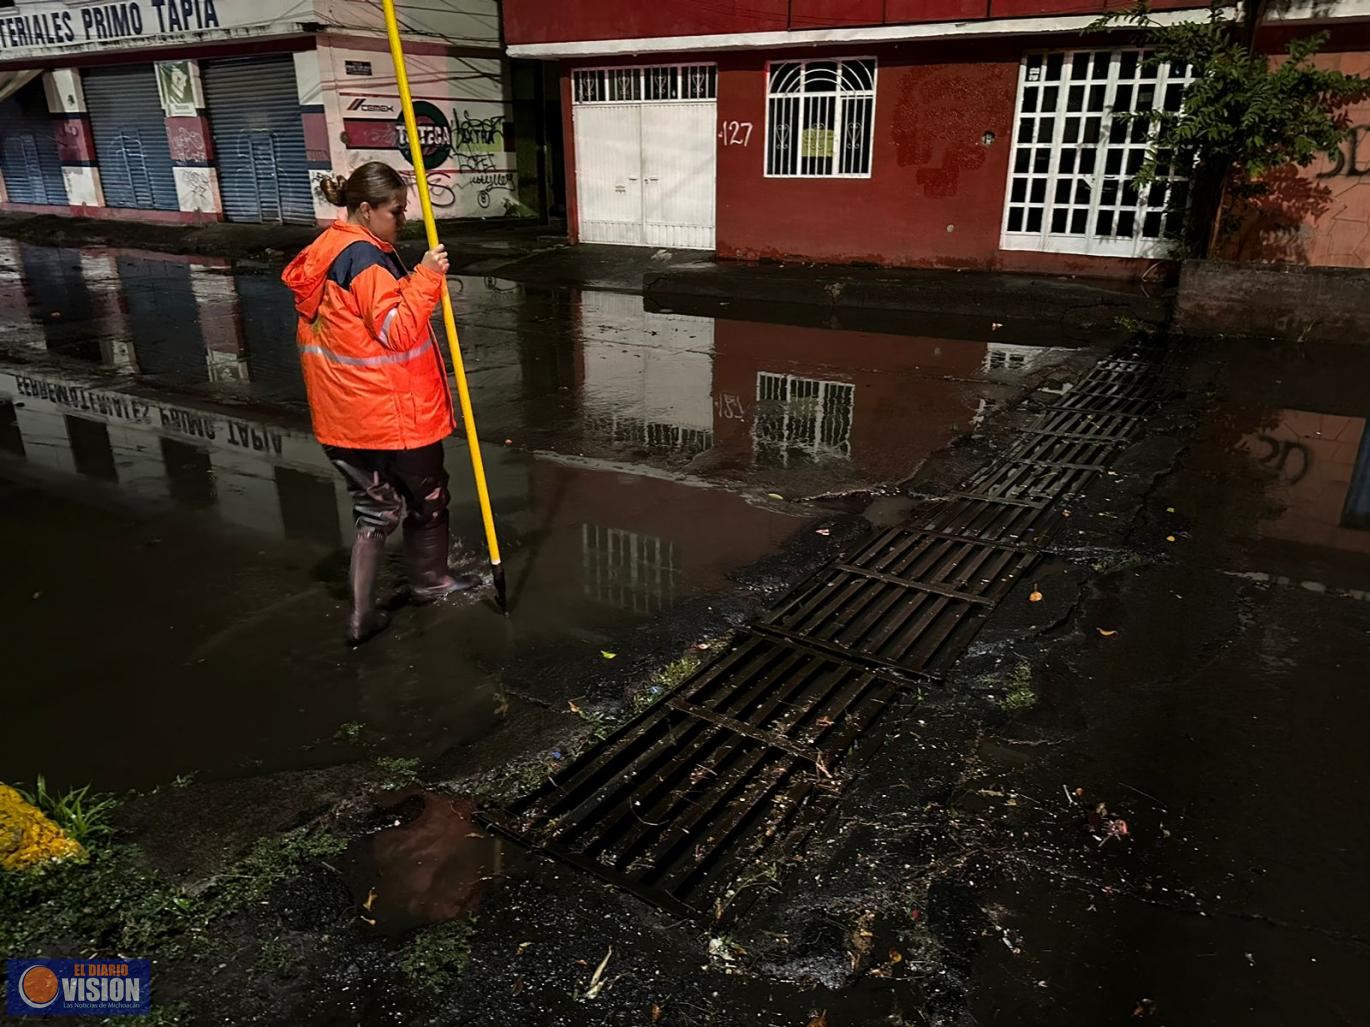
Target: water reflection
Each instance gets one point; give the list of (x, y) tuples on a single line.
[(429, 864), (1320, 469), (568, 370), (231, 568)]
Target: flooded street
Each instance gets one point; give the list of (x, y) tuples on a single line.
[(181, 585), (1128, 799)]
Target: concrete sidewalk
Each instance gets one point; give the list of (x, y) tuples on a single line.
[(1017, 307), (995, 298)]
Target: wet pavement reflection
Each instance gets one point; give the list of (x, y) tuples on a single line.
[(181, 584), (1223, 719), (427, 862)]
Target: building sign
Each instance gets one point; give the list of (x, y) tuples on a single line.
[(816, 142), (38, 28), (358, 67), (435, 135), (176, 82)]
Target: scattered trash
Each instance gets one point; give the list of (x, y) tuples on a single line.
[(1170, 538), (523, 947), (1145, 1007), (824, 531), (656, 1013), (1065, 513), (1250, 958), (896, 956), (1105, 632), (774, 495), (818, 1018), (1170, 509), (1036, 596), (370, 900), (508, 442), (606, 654), (994, 326), (702, 645), (1041, 984), (1106, 826), (598, 981)]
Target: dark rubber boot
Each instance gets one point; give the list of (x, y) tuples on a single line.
[(425, 552), (366, 621)]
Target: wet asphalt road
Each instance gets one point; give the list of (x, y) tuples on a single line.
[(177, 594)]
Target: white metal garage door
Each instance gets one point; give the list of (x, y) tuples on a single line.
[(645, 154)]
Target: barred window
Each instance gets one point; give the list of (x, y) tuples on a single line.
[(819, 118), (1075, 153), (657, 83), (802, 420)]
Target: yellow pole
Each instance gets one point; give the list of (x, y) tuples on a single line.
[(449, 322)]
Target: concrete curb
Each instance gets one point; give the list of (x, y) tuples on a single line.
[(1274, 301), (915, 291)]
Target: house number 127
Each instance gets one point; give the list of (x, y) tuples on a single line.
[(735, 133)]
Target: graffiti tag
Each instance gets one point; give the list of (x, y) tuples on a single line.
[(1280, 455)]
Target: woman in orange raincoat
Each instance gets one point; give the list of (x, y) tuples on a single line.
[(377, 385)]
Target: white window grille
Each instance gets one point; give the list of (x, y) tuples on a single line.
[(802, 420), (820, 118), (656, 84), (1075, 153), (656, 435), (627, 570)]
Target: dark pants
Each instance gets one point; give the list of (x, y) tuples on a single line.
[(388, 485)]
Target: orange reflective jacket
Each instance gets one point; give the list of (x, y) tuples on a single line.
[(371, 366)]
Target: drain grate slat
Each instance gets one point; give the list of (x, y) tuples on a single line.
[(737, 727), (822, 647), (680, 804), (922, 586)]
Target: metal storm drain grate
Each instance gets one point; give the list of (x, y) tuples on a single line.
[(682, 804), (908, 603)]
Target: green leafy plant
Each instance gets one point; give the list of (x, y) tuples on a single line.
[(350, 732), (397, 771), (1244, 116), (436, 956), (81, 813)]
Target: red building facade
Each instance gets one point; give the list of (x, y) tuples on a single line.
[(938, 133)]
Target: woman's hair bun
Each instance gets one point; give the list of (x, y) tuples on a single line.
[(333, 188)]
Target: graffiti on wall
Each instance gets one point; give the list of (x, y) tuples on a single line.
[(479, 135), (446, 188), (939, 121), (466, 156), (187, 142)]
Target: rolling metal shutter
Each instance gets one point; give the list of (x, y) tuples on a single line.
[(28, 157), (131, 146), (254, 114)]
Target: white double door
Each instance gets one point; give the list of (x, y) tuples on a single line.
[(645, 173)]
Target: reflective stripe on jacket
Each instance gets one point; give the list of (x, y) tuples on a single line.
[(372, 369)]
